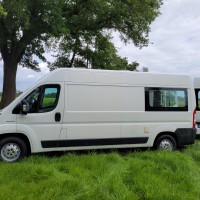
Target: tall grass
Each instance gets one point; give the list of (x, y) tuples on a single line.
[(134, 175)]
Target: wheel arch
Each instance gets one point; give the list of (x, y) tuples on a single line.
[(20, 136), (166, 133)]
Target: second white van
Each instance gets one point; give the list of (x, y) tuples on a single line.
[(197, 96)]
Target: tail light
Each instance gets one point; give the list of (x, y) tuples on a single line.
[(194, 119)]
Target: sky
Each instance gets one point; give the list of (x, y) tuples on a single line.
[(174, 45)]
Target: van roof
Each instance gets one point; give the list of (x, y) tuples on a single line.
[(94, 76)]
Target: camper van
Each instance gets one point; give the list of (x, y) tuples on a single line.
[(197, 95), (76, 109)]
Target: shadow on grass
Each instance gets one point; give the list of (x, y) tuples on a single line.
[(121, 151)]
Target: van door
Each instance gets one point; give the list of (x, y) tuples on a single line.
[(92, 116), (43, 121)]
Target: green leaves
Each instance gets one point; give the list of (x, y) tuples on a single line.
[(88, 42), (80, 31), (97, 53), (27, 26), (2, 11), (81, 24)]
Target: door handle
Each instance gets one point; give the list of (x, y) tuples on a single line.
[(57, 117)]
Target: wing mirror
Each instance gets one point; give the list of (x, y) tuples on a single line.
[(24, 107)]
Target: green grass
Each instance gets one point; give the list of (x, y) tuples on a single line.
[(48, 102), (141, 175)]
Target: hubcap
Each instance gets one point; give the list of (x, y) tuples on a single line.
[(10, 152), (166, 145)]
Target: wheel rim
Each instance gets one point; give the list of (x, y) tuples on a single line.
[(10, 152), (166, 145)]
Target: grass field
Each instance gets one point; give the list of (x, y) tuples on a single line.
[(130, 175), (48, 102)]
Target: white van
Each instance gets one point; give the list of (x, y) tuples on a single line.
[(197, 95), (73, 109)]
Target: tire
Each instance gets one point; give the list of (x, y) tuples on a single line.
[(166, 142), (12, 149)]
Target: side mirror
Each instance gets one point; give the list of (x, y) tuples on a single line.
[(24, 107)]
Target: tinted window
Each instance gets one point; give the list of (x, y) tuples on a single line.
[(33, 99), (166, 99), (49, 99)]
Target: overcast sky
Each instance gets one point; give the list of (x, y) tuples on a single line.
[(173, 48)]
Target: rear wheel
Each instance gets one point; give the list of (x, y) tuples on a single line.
[(12, 149), (166, 142)]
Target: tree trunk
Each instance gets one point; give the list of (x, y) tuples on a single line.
[(72, 60), (9, 82)]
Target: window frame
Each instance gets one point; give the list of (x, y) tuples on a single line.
[(165, 109), (17, 109), (41, 97)]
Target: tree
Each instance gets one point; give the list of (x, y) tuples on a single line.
[(145, 69), (133, 66), (2, 11), (98, 53), (23, 32), (29, 24), (89, 22)]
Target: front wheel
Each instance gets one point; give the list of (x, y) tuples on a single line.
[(12, 149), (166, 142)]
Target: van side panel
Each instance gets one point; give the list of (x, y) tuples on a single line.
[(92, 112), (98, 113)]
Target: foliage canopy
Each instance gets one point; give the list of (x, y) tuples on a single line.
[(89, 42), (80, 28), (2, 11)]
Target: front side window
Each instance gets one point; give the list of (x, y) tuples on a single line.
[(33, 99), (166, 99), (49, 98), (43, 99)]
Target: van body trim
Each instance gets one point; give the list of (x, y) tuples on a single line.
[(93, 142), (186, 136)]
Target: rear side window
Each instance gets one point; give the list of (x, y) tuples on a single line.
[(166, 99)]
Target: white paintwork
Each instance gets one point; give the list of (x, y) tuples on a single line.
[(98, 104)]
